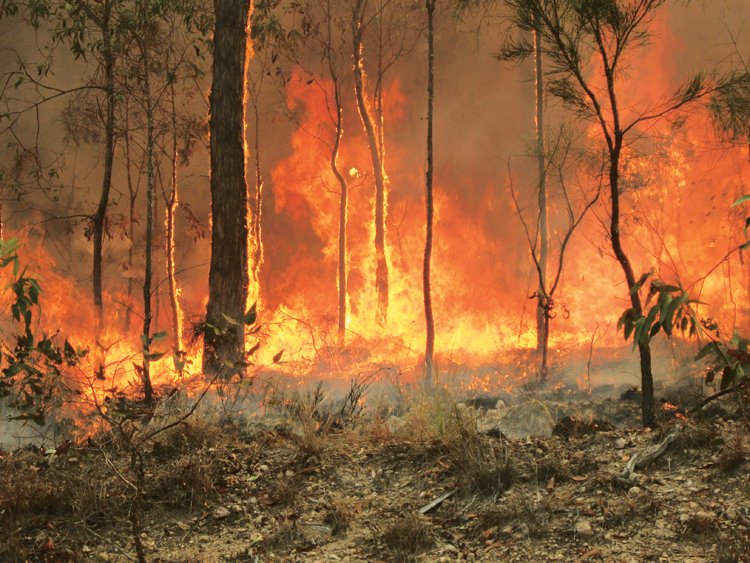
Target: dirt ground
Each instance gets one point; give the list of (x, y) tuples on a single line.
[(304, 486)]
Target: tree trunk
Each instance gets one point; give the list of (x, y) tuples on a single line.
[(146, 334), (100, 216), (170, 210), (343, 203), (543, 300), (224, 348), (257, 205), (644, 350), (429, 320), (132, 197), (363, 106)]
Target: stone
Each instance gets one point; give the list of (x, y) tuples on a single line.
[(531, 418), (620, 443), (221, 512), (584, 529)]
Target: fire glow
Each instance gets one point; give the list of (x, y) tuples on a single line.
[(678, 218)]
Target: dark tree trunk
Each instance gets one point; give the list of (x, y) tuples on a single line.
[(381, 273), (147, 315), (644, 349), (257, 205), (543, 300), (100, 216), (132, 198), (228, 275), (343, 203), (429, 320), (172, 202)]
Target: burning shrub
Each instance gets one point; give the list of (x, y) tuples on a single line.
[(34, 370)]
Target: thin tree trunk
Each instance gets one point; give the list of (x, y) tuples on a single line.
[(224, 350), (343, 203), (543, 300), (257, 205), (615, 143), (132, 197), (172, 203), (147, 315), (381, 273), (100, 216), (429, 320)]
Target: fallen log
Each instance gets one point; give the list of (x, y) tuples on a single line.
[(639, 460)]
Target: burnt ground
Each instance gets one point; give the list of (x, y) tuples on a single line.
[(308, 486)]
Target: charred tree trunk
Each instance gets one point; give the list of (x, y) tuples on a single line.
[(644, 349), (100, 216), (224, 348), (365, 113), (257, 204), (147, 315), (429, 320), (543, 299), (172, 202), (343, 204), (132, 197)]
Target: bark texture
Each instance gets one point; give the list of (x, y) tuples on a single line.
[(100, 216), (543, 299), (429, 320), (172, 202), (228, 275)]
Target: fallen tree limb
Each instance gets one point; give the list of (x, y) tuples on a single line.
[(717, 395), (639, 460), (437, 502)]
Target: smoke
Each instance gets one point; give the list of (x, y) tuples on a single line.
[(678, 217)]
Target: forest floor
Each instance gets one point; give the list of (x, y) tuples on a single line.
[(310, 486)]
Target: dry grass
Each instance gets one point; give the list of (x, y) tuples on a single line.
[(483, 463), (407, 536), (733, 454), (37, 492), (339, 515)]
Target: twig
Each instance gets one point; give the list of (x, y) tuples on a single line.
[(715, 396), (437, 502)]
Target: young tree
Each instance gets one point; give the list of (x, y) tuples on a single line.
[(543, 300), (318, 47), (557, 165), (572, 34), (429, 320), (228, 275)]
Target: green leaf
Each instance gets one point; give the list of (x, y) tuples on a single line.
[(648, 323), (654, 330), (158, 336), (727, 377), (709, 348), (710, 375), (637, 287), (668, 317), (153, 356), (741, 200)]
